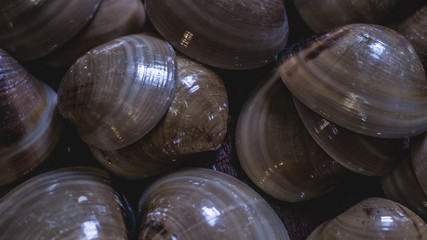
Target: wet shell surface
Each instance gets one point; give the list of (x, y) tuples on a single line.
[(276, 151), (105, 26), (30, 125), (323, 15), (365, 78), (414, 28), (373, 218), (118, 91), (401, 185), (419, 159), (69, 203), (237, 34), (206, 204), (195, 122), (30, 29), (359, 153)]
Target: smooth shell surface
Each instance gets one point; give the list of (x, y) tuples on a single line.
[(365, 78), (401, 185), (236, 34), (71, 203), (419, 159), (414, 28), (195, 122), (373, 218), (118, 91), (321, 15), (30, 125), (205, 204), (105, 26), (30, 29), (359, 153), (276, 151)]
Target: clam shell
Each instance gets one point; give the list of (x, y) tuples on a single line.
[(118, 91), (359, 153), (30, 29), (70, 203), (205, 204), (276, 151), (401, 185), (322, 15), (419, 159), (224, 34), (195, 122), (373, 218), (105, 26), (365, 78), (30, 125), (414, 28)]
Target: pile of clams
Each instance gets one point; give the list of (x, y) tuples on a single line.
[(213, 119)]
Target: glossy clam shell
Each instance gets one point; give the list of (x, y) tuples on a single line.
[(276, 151), (419, 159), (224, 34), (323, 15), (30, 125), (357, 152), (105, 26), (401, 185), (373, 218), (366, 78), (118, 91), (206, 204), (414, 28), (30, 29), (70, 203), (195, 122)]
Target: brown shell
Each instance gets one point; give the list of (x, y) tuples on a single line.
[(30, 29), (206, 204), (365, 78), (401, 185), (114, 18), (276, 151), (414, 28), (373, 218), (30, 124), (222, 33), (321, 15), (419, 159), (70, 203), (117, 92), (359, 153), (195, 122)]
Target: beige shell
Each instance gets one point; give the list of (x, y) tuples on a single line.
[(30, 29), (276, 151), (195, 122), (114, 18), (206, 204), (401, 185), (366, 78), (70, 203), (321, 15), (30, 125), (373, 218), (221, 33), (118, 91), (359, 153)]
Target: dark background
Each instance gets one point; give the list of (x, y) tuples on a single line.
[(299, 218)]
